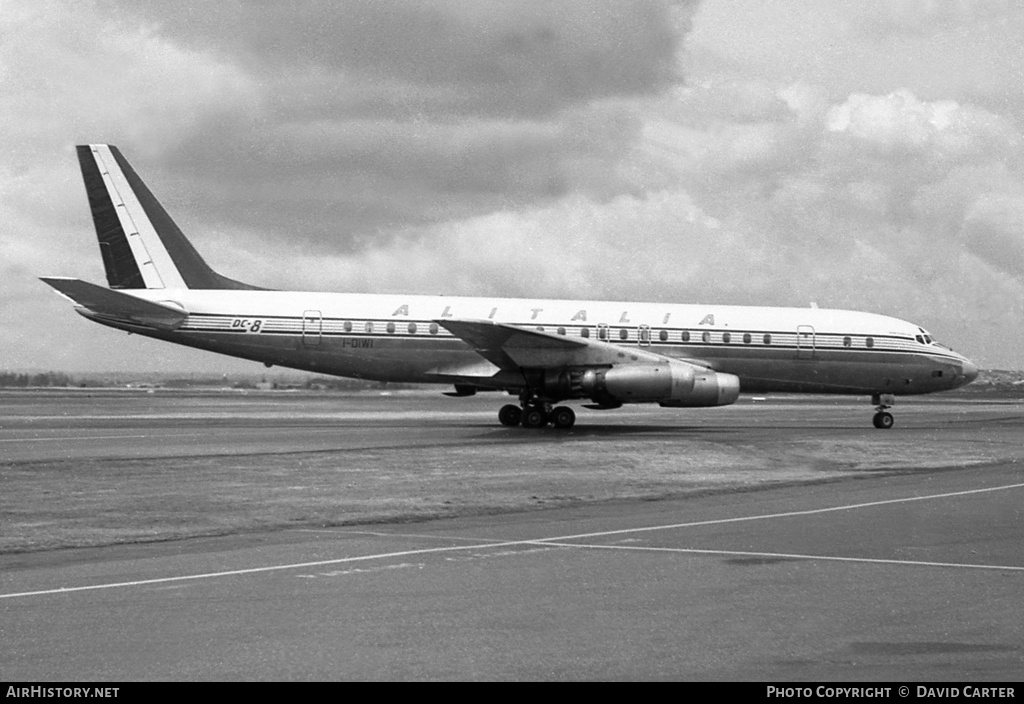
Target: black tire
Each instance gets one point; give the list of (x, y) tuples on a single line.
[(510, 415), (534, 418), (883, 420), (563, 417)]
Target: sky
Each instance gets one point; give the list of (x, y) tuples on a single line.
[(859, 154)]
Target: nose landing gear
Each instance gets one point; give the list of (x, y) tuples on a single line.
[(883, 420)]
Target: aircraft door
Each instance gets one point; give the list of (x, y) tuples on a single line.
[(312, 328), (804, 342), (643, 336)]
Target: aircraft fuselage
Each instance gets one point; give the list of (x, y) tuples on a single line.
[(403, 339)]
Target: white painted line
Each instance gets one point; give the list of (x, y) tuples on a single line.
[(789, 556), (536, 541), (256, 570), (382, 534), (787, 514)]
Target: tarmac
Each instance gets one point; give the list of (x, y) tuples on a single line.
[(898, 570)]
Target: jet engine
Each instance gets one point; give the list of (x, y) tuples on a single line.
[(671, 383)]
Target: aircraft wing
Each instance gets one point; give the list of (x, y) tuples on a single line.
[(99, 302), (512, 346)]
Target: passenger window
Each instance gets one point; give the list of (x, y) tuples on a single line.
[(726, 337), (623, 334), (391, 327), (348, 326), (870, 342), (433, 328), (706, 337), (663, 335), (686, 336), (412, 328), (561, 331), (602, 333), (746, 338), (584, 332), (369, 327), (767, 339), (847, 341)]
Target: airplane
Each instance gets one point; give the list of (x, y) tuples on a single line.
[(546, 352)]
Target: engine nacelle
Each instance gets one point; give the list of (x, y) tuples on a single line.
[(709, 389), (669, 384)]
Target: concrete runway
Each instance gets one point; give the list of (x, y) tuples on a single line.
[(906, 576)]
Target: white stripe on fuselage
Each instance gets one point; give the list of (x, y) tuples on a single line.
[(829, 326)]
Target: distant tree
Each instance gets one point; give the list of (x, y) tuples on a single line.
[(8, 379)]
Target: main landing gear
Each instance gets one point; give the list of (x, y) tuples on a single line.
[(883, 420), (537, 415)]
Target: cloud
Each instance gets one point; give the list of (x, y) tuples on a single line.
[(994, 230), (884, 17), (335, 123), (485, 57), (71, 73), (900, 123)]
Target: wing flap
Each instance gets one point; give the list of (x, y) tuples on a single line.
[(99, 302)]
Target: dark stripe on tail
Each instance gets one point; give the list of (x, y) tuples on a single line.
[(193, 269), (118, 260)]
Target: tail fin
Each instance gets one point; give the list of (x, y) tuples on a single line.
[(141, 245)]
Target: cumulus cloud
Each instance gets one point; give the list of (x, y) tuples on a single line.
[(494, 56), (71, 73), (901, 123), (358, 117)]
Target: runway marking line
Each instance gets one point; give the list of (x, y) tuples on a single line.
[(382, 534), (556, 540), (790, 556)]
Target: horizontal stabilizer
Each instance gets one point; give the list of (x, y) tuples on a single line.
[(100, 302)]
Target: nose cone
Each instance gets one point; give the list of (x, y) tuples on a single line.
[(968, 372)]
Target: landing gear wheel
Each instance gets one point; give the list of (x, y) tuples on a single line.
[(534, 417), (510, 415), (563, 417), (883, 420)]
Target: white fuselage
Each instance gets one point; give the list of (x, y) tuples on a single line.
[(402, 338)]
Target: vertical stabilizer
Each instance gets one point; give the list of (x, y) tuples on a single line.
[(141, 245)]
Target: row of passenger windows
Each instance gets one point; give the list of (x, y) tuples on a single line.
[(604, 333), (390, 327)]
